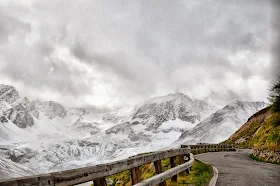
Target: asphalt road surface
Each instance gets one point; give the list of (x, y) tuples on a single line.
[(237, 169)]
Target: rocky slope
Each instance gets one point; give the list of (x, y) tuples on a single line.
[(221, 124), (174, 112), (8, 94), (261, 131)]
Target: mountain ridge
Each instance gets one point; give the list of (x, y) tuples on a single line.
[(58, 138), (224, 121)]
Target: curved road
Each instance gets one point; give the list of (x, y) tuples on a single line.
[(237, 169)]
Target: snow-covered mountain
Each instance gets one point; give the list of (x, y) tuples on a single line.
[(39, 137), (221, 124), (171, 113), (8, 94)]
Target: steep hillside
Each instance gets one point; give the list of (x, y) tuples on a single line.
[(221, 124), (262, 131)]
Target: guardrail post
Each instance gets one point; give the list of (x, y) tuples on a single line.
[(181, 161), (186, 159), (158, 168), (100, 182), (135, 175), (173, 164)]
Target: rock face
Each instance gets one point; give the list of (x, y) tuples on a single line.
[(20, 116), (51, 109), (4, 106), (92, 128), (11, 109), (8, 94), (154, 112), (30, 106), (220, 125), (159, 115), (158, 110), (77, 111), (3, 119), (268, 155)]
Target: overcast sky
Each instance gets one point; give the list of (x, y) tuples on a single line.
[(107, 54)]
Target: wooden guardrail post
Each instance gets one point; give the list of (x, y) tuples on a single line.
[(135, 175), (181, 161), (100, 182), (173, 164), (158, 168), (186, 159)]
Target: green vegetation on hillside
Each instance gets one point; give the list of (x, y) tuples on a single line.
[(200, 174), (261, 131), (274, 96), (268, 137)]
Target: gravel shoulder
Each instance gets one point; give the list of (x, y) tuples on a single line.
[(237, 169)]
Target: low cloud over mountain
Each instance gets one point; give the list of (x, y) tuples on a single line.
[(104, 55)]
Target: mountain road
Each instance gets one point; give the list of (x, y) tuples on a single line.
[(237, 169)]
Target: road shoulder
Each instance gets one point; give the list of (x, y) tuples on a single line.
[(214, 179)]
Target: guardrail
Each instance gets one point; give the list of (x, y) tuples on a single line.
[(196, 149), (242, 147), (98, 173)]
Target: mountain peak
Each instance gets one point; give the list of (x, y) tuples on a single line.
[(223, 122), (8, 93), (51, 109), (239, 103), (178, 94), (169, 97)]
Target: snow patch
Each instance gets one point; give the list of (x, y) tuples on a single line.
[(177, 123)]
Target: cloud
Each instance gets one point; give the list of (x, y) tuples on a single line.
[(105, 54), (275, 39)]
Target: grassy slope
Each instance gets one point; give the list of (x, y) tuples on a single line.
[(201, 174), (262, 131)]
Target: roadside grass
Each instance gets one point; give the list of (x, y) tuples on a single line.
[(262, 160), (200, 175)]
